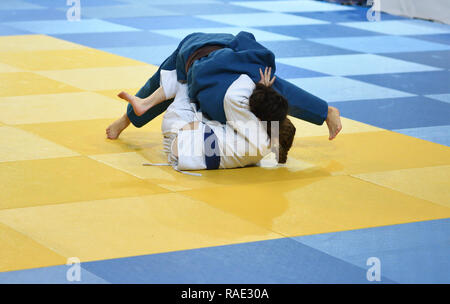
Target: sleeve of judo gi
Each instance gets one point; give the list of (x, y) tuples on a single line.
[(169, 82), (302, 105)]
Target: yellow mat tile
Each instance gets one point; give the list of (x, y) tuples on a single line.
[(21, 252), (109, 78), (369, 152), (258, 175), (163, 176), (166, 177), (115, 228), (58, 107), (5, 68), (131, 162), (431, 183), (35, 43), (64, 59), (89, 137), (62, 180), (17, 144), (319, 205), (27, 83), (305, 129)]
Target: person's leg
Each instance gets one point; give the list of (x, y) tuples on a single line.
[(142, 105), (333, 122), (153, 84), (114, 130)]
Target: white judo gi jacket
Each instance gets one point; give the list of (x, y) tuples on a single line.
[(243, 141)]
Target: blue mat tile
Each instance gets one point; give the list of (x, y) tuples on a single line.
[(294, 6), (415, 266), (343, 65), (19, 5), (334, 89), (166, 22), (382, 44), (10, 31), (397, 113), (384, 238), (48, 275), (83, 3), (417, 83), (66, 27), (258, 19), (170, 2), (207, 8), (260, 36), (400, 27), (440, 97), (118, 39), (409, 253), (438, 38), (287, 71), (437, 134), (359, 14), (303, 48), (240, 0), (273, 261), (149, 54), (440, 59), (124, 11), (434, 26), (316, 31), (31, 15), (231, 1)]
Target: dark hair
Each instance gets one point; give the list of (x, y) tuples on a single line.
[(286, 137), (267, 104)]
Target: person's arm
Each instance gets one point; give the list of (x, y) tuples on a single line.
[(302, 104)]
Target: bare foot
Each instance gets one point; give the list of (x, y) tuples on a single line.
[(114, 130), (139, 106), (333, 122)]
